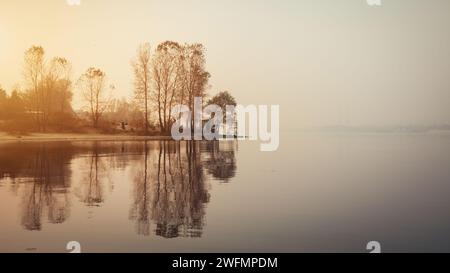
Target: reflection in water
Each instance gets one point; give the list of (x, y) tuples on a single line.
[(42, 172), (171, 192), (90, 190), (169, 180), (326, 186), (221, 161)]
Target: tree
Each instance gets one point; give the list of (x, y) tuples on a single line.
[(194, 75), (59, 75), (223, 99), (3, 102), (167, 79), (3, 94), (15, 109), (92, 84), (57, 92), (142, 76), (34, 74), (49, 87)]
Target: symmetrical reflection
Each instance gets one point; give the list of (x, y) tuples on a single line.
[(42, 172), (220, 160), (170, 190), (90, 190), (168, 180)]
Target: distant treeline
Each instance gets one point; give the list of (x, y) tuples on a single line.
[(386, 129), (169, 75)]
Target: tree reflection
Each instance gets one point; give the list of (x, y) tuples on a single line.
[(169, 190), (180, 193), (220, 159), (91, 188), (141, 194), (170, 186), (40, 173), (169, 180)]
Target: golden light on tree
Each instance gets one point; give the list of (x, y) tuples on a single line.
[(167, 75), (48, 92), (170, 75), (92, 84), (142, 75)]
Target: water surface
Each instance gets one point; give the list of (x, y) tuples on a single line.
[(319, 192)]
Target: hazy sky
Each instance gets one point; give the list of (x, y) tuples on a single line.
[(324, 61)]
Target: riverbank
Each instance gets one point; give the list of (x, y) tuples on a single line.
[(4, 137)]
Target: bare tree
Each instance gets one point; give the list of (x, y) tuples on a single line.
[(60, 71), (34, 74), (92, 83), (195, 76), (56, 90), (49, 85), (142, 76), (167, 79)]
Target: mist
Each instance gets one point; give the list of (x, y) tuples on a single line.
[(324, 62)]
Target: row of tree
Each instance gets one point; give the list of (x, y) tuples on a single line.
[(174, 74), (49, 94), (46, 100), (169, 75)]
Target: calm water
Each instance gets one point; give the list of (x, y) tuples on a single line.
[(321, 193)]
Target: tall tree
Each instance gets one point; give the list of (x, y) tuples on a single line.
[(167, 79), (59, 73), (56, 92), (142, 76), (195, 76), (92, 84), (48, 91), (34, 73)]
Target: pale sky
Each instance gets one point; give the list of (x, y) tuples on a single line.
[(325, 62)]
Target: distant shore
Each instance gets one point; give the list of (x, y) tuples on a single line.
[(5, 137)]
